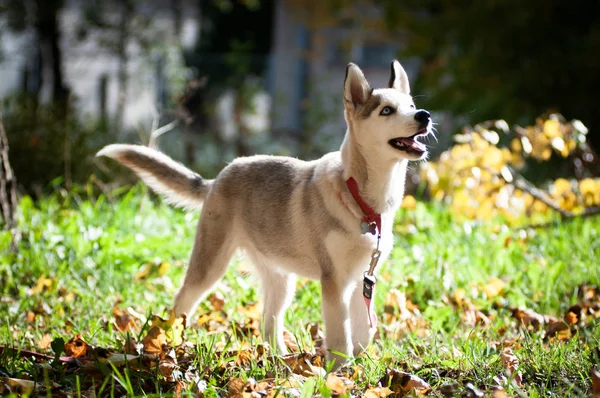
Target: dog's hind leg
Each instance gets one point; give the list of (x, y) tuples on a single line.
[(213, 248), (278, 292), (361, 331)]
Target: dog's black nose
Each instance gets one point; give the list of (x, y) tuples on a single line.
[(423, 117)]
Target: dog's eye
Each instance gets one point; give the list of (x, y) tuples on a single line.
[(412, 107), (387, 110)]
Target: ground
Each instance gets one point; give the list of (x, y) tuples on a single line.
[(464, 309)]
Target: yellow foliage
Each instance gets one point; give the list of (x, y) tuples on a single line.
[(475, 179)]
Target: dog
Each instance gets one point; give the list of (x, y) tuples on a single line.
[(328, 219)]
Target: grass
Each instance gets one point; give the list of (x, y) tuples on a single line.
[(448, 302)]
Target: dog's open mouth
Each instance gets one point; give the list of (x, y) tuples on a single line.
[(410, 144)]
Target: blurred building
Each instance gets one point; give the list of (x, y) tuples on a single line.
[(301, 76)]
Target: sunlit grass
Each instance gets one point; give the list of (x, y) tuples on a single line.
[(77, 258)]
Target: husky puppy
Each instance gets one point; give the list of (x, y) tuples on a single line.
[(320, 219)]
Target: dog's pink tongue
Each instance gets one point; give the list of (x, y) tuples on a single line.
[(412, 143)]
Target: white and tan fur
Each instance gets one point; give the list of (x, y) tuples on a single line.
[(298, 218)]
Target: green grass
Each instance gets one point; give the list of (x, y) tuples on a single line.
[(90, 250)]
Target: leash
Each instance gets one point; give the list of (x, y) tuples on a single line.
[(370, 223)]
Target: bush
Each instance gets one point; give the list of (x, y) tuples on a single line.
[(481, 176)]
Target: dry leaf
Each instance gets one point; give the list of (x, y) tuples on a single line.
[(76, 347), (124, 320), (378, 392), (499, 393), (290, 341), (173, 327), (511, 364), (19, 386), (30, 316), (595, 376), (339, 385), (144, 272), (42, 284), (401, 383), (302, 364), (154, 340), (236, 387), (45, 341), (217, 301), (494, 287), (167, 366), (571, 318)]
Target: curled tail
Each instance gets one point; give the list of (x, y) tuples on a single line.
[(179, 185)]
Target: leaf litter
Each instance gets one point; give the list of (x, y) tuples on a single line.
[(162, 353)]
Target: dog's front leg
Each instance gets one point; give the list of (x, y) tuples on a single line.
[(337, 320)]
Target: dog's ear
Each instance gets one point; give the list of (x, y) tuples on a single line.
[(356, 87), (399, 78)]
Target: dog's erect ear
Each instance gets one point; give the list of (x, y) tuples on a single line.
[(399, 78), (356, 87)]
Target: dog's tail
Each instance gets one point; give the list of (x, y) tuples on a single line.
[(179, 185)]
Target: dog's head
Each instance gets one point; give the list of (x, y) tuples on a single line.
[(385, 121)]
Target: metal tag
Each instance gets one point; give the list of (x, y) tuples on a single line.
[(368, 283), (366, 227)]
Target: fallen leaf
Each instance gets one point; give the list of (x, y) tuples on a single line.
[(132, 347), (511, 364), (305, 365), (173, 327), (217, 301), (236, 387), (494, 287), (124, 320), (595, 376), (163, 268), (571, 318), (77, 347), (339, 385), (378, 392), (154, 340), (45, 341), (402, 383), (499, 393), (9, 385), (42, 284), (30, 316), (167, 366), (144, 272), (290, 341)]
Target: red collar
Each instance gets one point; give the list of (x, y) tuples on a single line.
[(369, 215)]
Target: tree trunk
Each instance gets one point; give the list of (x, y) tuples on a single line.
[(8, 184), (48, 36)]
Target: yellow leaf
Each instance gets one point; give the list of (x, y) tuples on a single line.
[(494, 287), (560, 187), (409, 202), (144, 272), (173, 327), (588, 185), (338, 385), (552, 128), (41, 285), (45, 341)]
